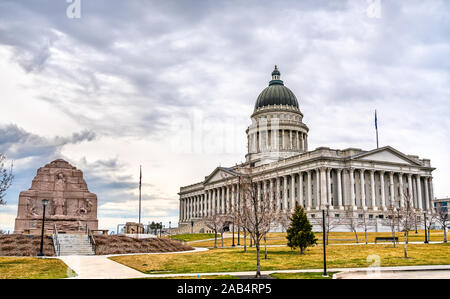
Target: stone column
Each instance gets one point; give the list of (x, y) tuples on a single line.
[(317, 189), (391, 186), (308, 191), (372, 189), (306, 142), (213, 202), (292, 192), (297, 139), (352, 188), (383, 192), (402, 199), (339, 188), (300, 190), (329, 189), (233, 196), (431, 192), (419, 192), (277, 195), (427, 194), (363, 189), (222, 201), (285, 197), (410, 190), (282, 139), (271, 193), (290, 140), (264, 191)]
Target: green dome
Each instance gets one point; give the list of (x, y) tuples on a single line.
[(276, 93)]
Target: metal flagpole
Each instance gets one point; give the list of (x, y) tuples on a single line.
[(376, 126), (140, 186)]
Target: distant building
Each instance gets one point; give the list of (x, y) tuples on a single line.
[(442, 205), (349, 180)]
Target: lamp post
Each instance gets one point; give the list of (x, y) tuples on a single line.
[(233, 234), (239, 210), (324, 246), (192, 227), (425, 222), (44, 204), (169, 227), (160, 229)]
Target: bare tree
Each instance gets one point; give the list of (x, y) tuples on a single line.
[(257, 212), (440, 215), (406, 216), (216, 223), (6, 178), (364, 222), (351, 222), (392, 220)]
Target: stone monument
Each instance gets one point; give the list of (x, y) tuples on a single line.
[(71, 206)]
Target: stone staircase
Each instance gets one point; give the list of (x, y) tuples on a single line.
[(74, 244)]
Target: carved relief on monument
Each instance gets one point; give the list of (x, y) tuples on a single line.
[(71, 205)]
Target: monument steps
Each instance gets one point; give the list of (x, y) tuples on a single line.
[(74, 244)]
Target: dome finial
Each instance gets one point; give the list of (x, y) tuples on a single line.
[(276, 77), (276, 74)]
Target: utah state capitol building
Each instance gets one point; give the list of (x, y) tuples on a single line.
[(350, 179)]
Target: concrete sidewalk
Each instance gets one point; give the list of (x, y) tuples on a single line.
[(369, 270), (101, 267)]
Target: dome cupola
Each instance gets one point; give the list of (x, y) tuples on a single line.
[(276, 93)]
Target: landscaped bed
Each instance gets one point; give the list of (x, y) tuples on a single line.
[(22, 245), (117, 244)]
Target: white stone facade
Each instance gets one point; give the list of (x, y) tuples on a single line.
[(336, 180)]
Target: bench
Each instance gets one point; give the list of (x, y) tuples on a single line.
[(395, 239)]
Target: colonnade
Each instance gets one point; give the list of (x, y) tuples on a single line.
[(318, 188), (266, 140)]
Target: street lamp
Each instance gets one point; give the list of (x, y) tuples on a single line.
[(169, 227), (425, 222), (233, 233), (44, 204), (160, 229)]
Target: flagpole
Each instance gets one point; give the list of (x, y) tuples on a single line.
[(140, 185), (376, 127)]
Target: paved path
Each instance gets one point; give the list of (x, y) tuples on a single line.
[(416, 274), (432, 268), (101, 267)]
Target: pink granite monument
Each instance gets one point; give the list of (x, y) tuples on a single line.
[(71, 206)]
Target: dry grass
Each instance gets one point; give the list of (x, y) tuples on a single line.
[(282, 258), (21, 245), (33, 268), (334, 238), (114, 244)]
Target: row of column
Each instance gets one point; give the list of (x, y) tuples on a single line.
[(264, 140), (321, 187)]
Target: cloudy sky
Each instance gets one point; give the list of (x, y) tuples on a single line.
[(170, 85)]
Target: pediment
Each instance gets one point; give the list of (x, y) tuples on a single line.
[(386, 154), (220, 173)]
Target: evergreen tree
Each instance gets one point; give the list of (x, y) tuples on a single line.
[(299, 233)]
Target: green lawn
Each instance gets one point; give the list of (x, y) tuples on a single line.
[(334, 238), (33, 268), (283, 258), (191, 237)]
